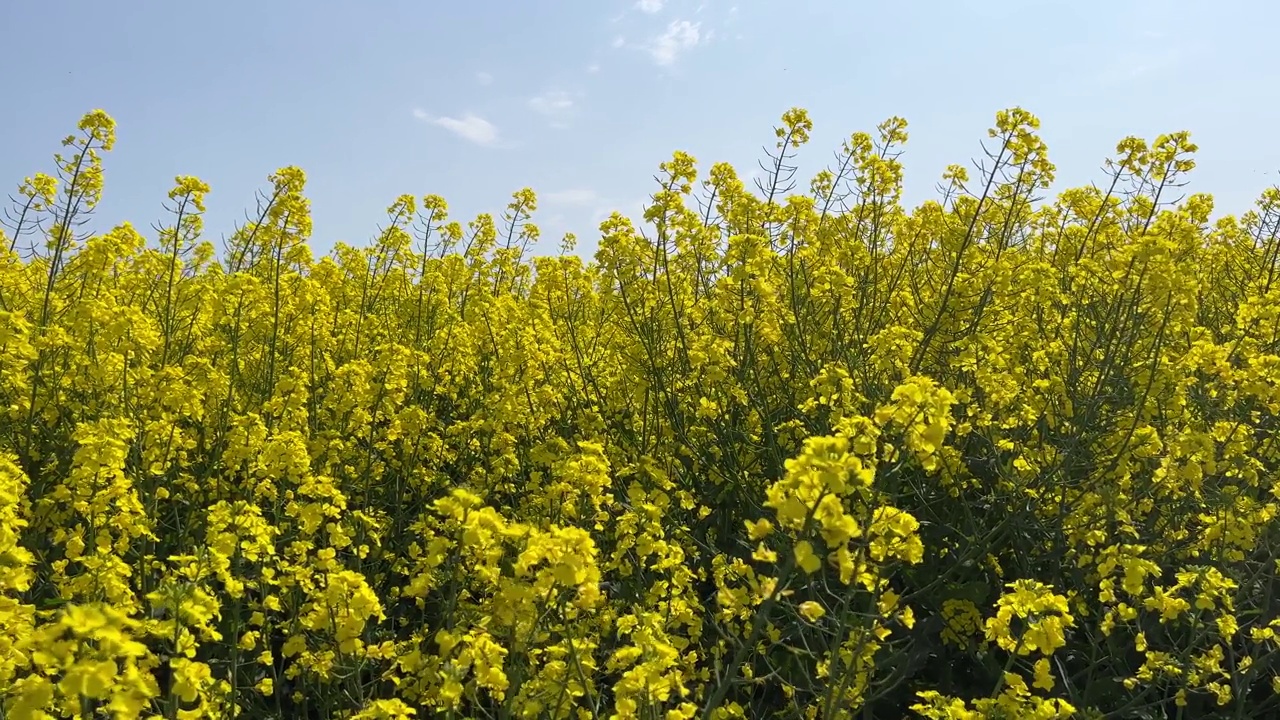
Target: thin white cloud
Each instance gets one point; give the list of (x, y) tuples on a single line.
[(649, 6), (555, 105), (680, 35), (619, 41), (593, 68), (470, 127), (575, 196), (552, 102), (484, 78)]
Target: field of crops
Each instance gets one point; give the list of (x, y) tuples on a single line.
[(789, 451)]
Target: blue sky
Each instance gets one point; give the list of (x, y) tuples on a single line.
[(581, 100)]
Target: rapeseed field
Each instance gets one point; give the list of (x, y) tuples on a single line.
[(794, 451)]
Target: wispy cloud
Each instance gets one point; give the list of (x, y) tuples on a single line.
[(680, 35), (484, 78), (650, 6), (619, 41), (593, 68), (575, 196), (470, 127), (556, 106)]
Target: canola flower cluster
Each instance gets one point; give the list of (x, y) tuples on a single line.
[(797, 453)]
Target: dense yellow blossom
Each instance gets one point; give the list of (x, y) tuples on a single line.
[(770, 452)]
